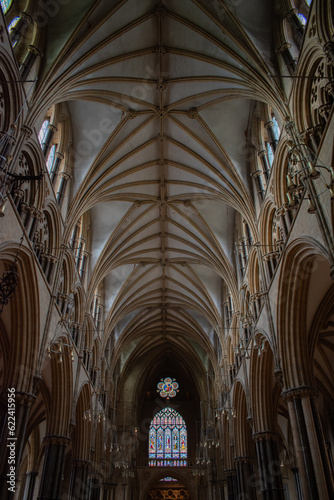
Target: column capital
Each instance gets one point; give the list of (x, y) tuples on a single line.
[(53, 128), (27, 131), (34, 50), (265, 436), (23, 398), (244, 460), (26, 17), (230, 472), (57, 440), (269, 124), (81, 463), (95, 475), (301, 392)]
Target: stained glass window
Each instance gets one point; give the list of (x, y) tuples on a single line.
[(168, 439), (5, 4), (168, 388)]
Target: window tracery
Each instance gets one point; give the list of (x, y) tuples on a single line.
[(168, 439)]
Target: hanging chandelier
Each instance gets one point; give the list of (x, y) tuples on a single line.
[(8, 284)]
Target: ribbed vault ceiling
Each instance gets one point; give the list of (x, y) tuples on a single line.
[(159, 97)]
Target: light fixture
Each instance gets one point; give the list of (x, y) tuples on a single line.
[(8, 284), (304, 165), (94, 415), (55, 349), (9, 280), (243, 350), (227, 412)]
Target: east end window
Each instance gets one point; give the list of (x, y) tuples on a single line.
[(168, 440)]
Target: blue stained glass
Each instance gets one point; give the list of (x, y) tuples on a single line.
[(183, 443), (13, 23), (168, 439), (302, 19), (5, 4), (168, 443)]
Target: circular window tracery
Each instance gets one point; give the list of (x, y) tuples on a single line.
[(168, 387)]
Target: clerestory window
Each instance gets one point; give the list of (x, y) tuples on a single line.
[(5, 4), (43, 131)]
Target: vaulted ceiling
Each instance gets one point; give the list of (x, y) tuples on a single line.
[(159, 95)]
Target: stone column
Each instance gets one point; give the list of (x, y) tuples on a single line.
[(245, 478), (94, 486), (53, 467), (273, 141), (48, 138), (79, 485), (55, 169), (269, 465), (29, 488), (265, 164), (259, 184), (232, 484), (108, 491), (295, 472), (311, 453), (29, 60), (23, 403)]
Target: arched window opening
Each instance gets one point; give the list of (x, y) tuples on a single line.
[(14, 30), (270, 154), (168, 440), (43, 131), (51, 158), (276, 129), (302, 18), (5, 4), (13, 23)]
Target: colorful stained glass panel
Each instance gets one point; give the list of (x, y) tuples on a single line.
[(167, 388), (168, 439)]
